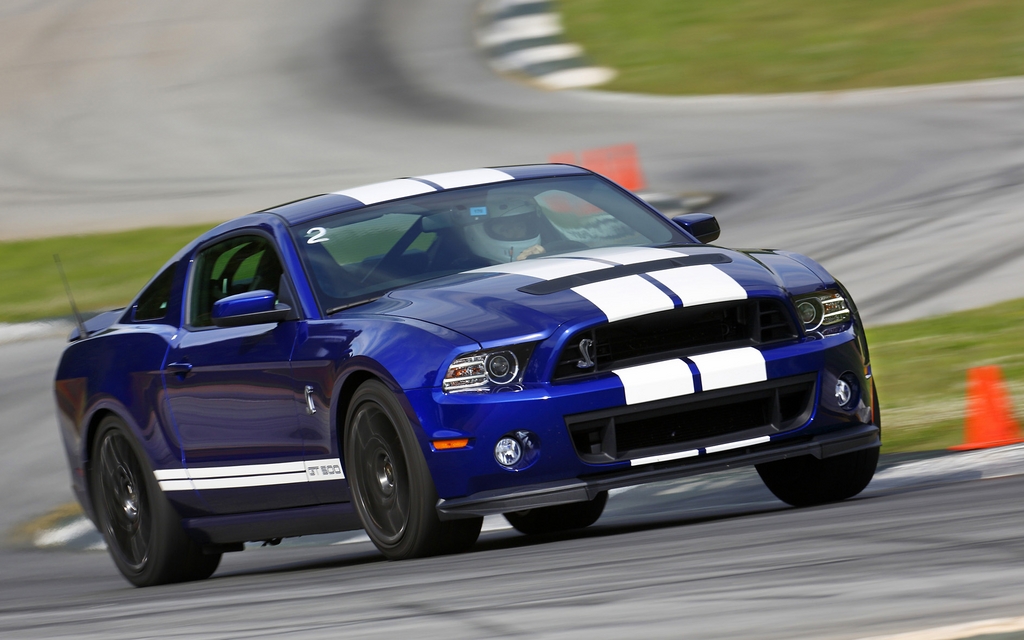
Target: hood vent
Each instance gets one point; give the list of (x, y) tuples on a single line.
[(675, 333)]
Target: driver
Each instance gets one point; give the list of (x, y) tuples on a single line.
[(509, 230)]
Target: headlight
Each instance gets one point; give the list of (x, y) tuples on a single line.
[(491, 370), (821, 309)]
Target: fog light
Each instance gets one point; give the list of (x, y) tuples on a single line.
[(508, 452), (846, 391)]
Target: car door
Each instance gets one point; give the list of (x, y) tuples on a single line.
[(230, 390)]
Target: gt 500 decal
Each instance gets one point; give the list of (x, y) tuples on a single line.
[(249, 475), (318, 470)]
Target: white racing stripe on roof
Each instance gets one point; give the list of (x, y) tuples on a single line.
[(664, 458), (545, 268), (730, 368), (249, 475), (628, 255), (384, 191), (625, 297), (469, 178), (700, 284), (655, 381)]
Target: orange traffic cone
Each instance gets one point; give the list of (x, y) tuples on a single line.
[(568, 157), (989, 421), (619, 163)]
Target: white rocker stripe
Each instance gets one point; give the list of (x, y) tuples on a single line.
[(730, 368), (249, 475), (655, 381), (246, 470), (384, 191), (625, 297), (176, 485), (249, 481), (456, 179), (171, 474), (700, 284)]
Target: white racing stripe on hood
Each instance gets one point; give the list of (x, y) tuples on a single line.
[(625, 297), (700, 284), (545, 268), (655, 381), (632, 295), (730, 368), (629, 255)]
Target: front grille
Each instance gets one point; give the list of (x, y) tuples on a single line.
[(675, 333), (694, 421)]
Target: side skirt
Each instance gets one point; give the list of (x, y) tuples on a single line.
[(268, 525)]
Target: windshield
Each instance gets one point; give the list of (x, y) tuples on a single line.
[(357, 256)]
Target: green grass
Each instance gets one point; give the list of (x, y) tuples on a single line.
[(920, 367), (105, 270), (763, 46)]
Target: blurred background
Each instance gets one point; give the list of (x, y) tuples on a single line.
[(884, 138)]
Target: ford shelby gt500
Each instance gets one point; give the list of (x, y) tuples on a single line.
[(410, 356)]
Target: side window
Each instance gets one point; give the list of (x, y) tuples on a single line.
[(152, 304), (241, 264)]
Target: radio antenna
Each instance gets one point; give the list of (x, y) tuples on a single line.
[(82, 334)]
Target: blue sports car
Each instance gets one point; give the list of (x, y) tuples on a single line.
[(410, 356)]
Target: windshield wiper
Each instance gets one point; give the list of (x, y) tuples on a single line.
[(349, 305)]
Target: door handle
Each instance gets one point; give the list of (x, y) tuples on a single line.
[(180, 368)]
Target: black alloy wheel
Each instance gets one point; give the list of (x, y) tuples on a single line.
[(807, 481), (392, 489), (127, 516), (142, 530)]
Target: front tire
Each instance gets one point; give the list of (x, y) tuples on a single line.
[(141, 529), (806, 481), (392, 489), (560, 517)]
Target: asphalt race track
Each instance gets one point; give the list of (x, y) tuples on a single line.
[(120, 114)]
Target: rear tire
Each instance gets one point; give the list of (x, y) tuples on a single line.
[(807, 481), (561, 517), (142, 530), (392, 489)]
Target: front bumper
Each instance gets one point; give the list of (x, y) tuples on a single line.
[(493, 502)]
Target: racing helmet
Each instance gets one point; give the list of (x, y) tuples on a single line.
[(510, 225)]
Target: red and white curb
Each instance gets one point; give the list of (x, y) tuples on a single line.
[(525, 38)]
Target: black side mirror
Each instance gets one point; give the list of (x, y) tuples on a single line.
[(702, 226)]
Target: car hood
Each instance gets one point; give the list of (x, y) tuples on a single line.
[(528, 300)]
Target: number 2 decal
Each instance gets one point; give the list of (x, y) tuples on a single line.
[(317, 234)]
